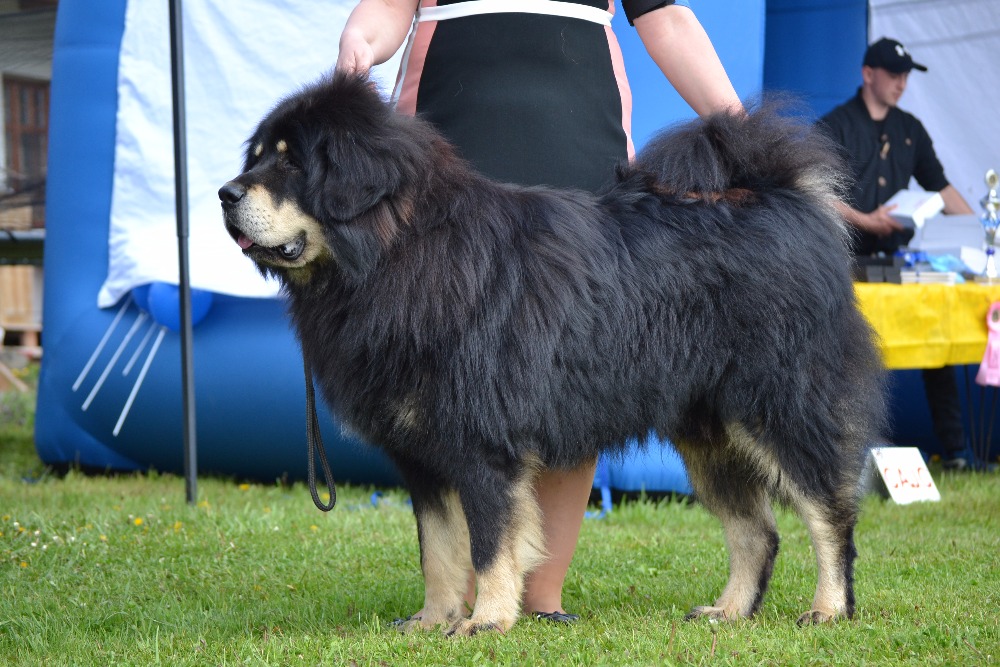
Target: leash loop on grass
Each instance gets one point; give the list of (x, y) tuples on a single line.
[(314, 445)]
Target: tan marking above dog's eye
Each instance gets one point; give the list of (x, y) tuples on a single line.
[(258, 149), (282, 146)]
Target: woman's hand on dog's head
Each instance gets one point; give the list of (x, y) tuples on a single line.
[(356, 55)]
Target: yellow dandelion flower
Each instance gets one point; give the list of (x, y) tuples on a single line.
[(267, 510), (137, 521), (314, 528), (24, 563), (103, 538), (203, 503), (177, 526), (244, 487), (6, 517)]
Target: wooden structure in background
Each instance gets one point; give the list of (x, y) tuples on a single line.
[(21, 303)]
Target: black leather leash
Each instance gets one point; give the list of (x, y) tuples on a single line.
[(314, 444)]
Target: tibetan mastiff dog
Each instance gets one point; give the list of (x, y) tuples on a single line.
[(479, 332)]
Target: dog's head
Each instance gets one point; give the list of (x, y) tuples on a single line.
[(323, 180)]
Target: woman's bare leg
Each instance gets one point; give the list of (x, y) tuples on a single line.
[(562, 497)]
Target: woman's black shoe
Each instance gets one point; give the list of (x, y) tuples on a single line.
[(556, 616)]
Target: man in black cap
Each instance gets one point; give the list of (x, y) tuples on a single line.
[(886, 146)]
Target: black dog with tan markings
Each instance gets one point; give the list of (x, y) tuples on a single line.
[(479, 332)]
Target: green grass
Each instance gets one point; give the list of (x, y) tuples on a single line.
[(121, 571)]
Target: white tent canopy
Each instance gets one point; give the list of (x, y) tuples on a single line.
[(240, 58)]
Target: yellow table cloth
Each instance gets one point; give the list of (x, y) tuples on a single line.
[(928, 326)]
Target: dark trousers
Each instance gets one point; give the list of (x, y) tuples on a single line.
[(941, 389)]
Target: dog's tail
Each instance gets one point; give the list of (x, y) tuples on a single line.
[(763, 150)]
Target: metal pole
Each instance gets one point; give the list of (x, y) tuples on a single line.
[(180, 185)]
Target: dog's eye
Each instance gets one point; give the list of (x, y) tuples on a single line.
[(289, 162)]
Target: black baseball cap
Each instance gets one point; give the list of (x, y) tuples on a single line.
[(892, 56)]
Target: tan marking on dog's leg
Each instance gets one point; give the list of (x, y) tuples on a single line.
[(832, 586), (752, 545), (521, 549), (446, 563), (751, 559), (831, 543), (750, 530), (757, 455)]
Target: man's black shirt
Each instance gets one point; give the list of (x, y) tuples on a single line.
[(881, 161)]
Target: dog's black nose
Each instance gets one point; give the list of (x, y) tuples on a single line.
[(231, 192)]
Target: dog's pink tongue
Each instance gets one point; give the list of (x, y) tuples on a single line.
[(244, 242)]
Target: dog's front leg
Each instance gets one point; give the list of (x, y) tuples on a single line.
[(444, 559), (506, 540)]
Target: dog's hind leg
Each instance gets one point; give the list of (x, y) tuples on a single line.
[(737, 494), (831, 524), (506, 538), (444, 559)]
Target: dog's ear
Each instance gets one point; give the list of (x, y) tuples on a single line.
[(357, 175), (357, 250)]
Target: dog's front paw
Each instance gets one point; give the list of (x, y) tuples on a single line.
[(468, 627), (712, 613), (425, 620), (817, 617), (412, 624)]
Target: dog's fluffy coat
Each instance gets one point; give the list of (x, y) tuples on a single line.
[(478, 331)]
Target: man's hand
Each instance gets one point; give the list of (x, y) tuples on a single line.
[(880, 221)]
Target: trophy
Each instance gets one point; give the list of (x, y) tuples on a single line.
[(990, 220)]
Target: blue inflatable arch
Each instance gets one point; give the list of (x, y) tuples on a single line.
[(85, 397), (110, 385)]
